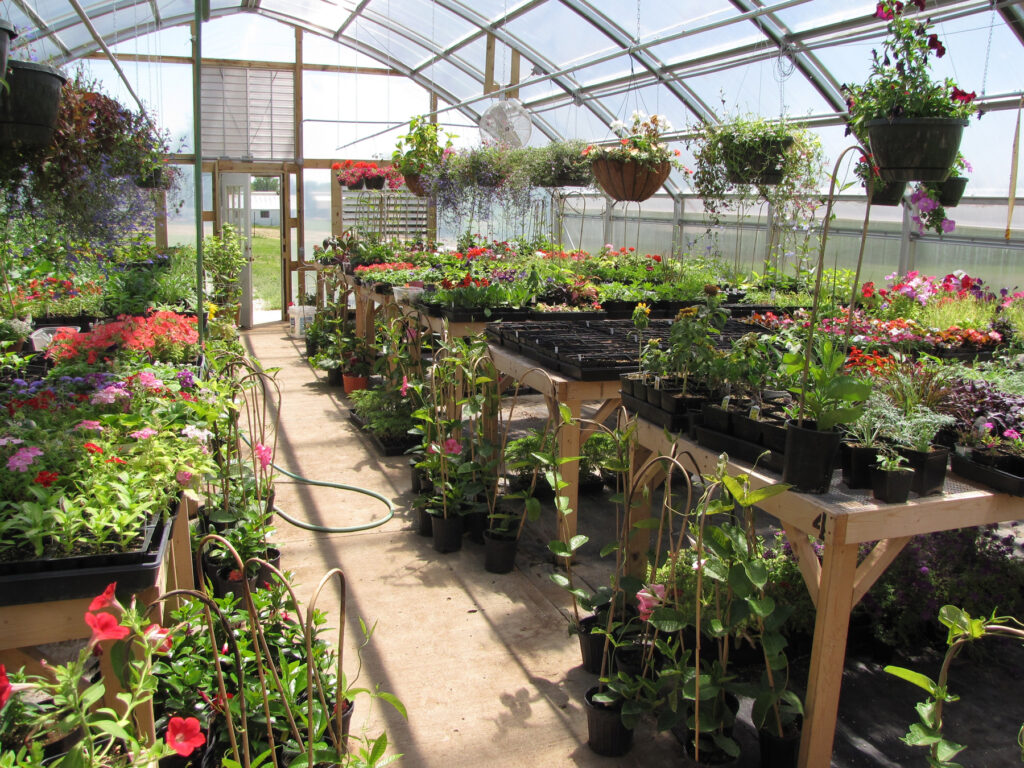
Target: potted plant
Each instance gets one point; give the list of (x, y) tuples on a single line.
[(635, 166), (914, 435), (357, 358), (29, 103), (952, 189), (826, 398), (861, 448), (879, 192), (913, 123), (420, 151), (890, 480)]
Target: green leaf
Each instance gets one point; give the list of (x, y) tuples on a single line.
[(391, 699), (607, 549), (946, 750), (757, 496), (668, 620), (577, 541), (650, 523), (756, 572), (532, 509), (559, 549), (920, 736), (921, 681), (762, 607), (560, 579), (113, 728), (739, 582)]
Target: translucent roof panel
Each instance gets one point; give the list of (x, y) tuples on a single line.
[(657, 17), (708, 44), (389, 43), (545, 30), (428, 19), (821, 13), (771, 88), (325, 15)]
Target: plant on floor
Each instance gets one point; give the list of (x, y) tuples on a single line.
[(111, 736), (962, 630)]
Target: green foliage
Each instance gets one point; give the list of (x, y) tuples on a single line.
[(831, 397), (223, 260), (421, 149)]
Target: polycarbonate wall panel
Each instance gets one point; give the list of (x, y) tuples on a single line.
[(248, 37)]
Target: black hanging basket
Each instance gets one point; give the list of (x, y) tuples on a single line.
[(951, 190), (7, 34), (915, 148), (374, 182), (888, 193), (157, 178), (28, 107), (762, 164)]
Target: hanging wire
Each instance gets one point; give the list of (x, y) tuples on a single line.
[(988, 52)]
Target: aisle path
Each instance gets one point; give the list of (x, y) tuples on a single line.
[(482, 662)]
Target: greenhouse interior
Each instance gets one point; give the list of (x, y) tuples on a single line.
[(565, 382)]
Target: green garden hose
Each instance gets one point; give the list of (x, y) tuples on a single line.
[(340, 486)]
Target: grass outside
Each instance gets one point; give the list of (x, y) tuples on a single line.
[(266, 266)]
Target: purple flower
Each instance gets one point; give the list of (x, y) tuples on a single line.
[(22, 460), (186, 379), (948, 225)]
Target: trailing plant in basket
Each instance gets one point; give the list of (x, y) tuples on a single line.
[(900, 84)]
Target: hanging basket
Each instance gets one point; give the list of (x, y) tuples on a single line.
[(414, 182), (7, 34), (158, 178), (28, 107), (915, 148), (356, 185), (951, 190), (888, 193), (628, 180), (762, 165), (374, 182)]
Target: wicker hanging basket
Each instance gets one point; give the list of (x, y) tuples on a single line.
[(629, 180)]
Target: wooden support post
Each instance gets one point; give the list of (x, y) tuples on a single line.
[(639, 540), (160, 219), (489, 85), (835, 600), (513, 78), (569, 445)]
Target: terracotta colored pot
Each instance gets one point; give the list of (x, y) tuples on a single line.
[(629, 181)]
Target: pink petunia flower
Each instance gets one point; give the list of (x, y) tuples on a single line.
[(264, 454), (452, 446), (89, 424), (143, 434), (23, 458), (649, 598)]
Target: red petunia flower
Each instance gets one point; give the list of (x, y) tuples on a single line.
[(93, 448), (105, 627), (963, 96), (5, 686), (159, 637), (184, 735), (104, 600)]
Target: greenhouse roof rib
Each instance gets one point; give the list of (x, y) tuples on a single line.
[(580, 53)]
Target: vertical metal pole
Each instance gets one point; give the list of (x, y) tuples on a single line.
[(606, 220), (906, 259), (197, 115), (677, 226)]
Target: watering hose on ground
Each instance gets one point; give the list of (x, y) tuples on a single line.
[(340, 486)]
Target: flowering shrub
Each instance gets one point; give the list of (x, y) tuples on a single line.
[(163, 336), (640, 143)]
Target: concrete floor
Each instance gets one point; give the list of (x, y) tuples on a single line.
[(484, 663)]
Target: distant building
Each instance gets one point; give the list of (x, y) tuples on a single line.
[(266, 209)]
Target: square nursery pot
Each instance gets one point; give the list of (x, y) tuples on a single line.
[(715, 417), (891, 486), (746, 428), (773, 435), (858, 461), (810, 457), (929, 469)]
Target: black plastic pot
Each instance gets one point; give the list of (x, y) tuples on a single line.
[(374, 182), (223, 585), (915, 148), (424, 523), (951, 190), (653, 394), (773, 436), (715, 417), (28, 107), (891, 486), (499, 552), (335, 378), (312, 346), (858, 462), (889, 193), (628, 383), (810, 457), (591, 645), (447, 533), (606, 735), (267, 576), (746, 428), (929, 469), (762, 165), (779, 752), (474, 524)]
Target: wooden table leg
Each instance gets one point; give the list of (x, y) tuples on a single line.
[(639, 539), (569, 445), (835, 599)]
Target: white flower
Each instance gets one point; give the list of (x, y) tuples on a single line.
[(617, 125), (196, 433)]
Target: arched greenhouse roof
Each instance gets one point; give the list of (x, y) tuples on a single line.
[(587, 52)]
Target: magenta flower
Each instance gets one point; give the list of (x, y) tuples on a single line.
[(264, 454), (89, 424), (143, 434), (948, 225), (452, 446), (149, 381), (22, 460), (1011, 434), (405, 386), (184, 478), (648, 599), (11, 441)]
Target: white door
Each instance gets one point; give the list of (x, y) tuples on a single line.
[(235, 201)]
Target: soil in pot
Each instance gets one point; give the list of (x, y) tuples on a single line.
[(499, 552), (929, 469), (606, 735), (891, 486), (809, 457), (447, 533)]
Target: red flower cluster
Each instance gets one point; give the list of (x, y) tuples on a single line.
[(47, 289), (384, 266), (963, 96), (859, 360), (46, 479), (156, 335), (466, 282)]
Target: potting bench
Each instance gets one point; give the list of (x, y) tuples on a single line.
[(843, 520), (24, 627), (559, 390)]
